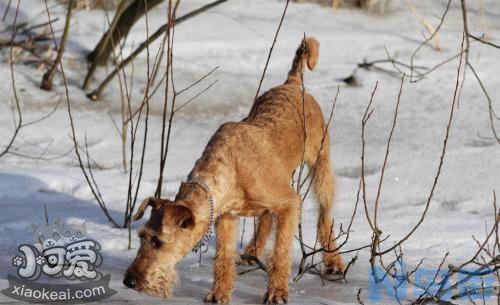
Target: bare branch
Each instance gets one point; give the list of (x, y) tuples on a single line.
[(13, 82), (271, 49)]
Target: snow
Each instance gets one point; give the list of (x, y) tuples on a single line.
[(236, 36)]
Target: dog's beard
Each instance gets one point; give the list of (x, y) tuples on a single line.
[(160, 282)]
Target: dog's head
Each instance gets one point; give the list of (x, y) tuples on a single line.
[(166, 238)]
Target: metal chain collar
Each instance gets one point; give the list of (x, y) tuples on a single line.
[(204, 240)]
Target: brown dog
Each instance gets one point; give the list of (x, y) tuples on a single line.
[(245, 170)]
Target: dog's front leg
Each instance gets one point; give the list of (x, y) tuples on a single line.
[(280, 262), (225, 260)]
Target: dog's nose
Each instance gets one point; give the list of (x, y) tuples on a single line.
[(129, 281)]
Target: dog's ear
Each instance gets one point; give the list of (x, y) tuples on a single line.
[(150, 201), (180, 216)]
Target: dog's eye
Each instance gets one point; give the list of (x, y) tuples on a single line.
[(156, 241)]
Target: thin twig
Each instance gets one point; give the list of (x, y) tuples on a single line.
[(13, 82), (92, 187), (271, 50)]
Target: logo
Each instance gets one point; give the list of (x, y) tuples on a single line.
[(64, 254), (430, 283)]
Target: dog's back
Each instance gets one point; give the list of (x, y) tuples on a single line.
[(279, 112), (273, 132)]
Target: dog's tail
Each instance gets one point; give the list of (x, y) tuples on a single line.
[(307, 54)]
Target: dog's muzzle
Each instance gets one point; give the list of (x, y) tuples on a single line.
[(129, 281)]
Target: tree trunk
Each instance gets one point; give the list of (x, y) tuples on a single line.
[(104, 40), (126, 20), (48, 77), (94, 95)]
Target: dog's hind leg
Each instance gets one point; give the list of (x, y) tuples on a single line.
[(324, 189), (258, 243), (224, 265)]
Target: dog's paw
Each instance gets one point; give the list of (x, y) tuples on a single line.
[(218, 296), (246, 259), (276, 296), (334, 265)]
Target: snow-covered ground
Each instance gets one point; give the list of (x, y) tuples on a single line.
[(236, 36)]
